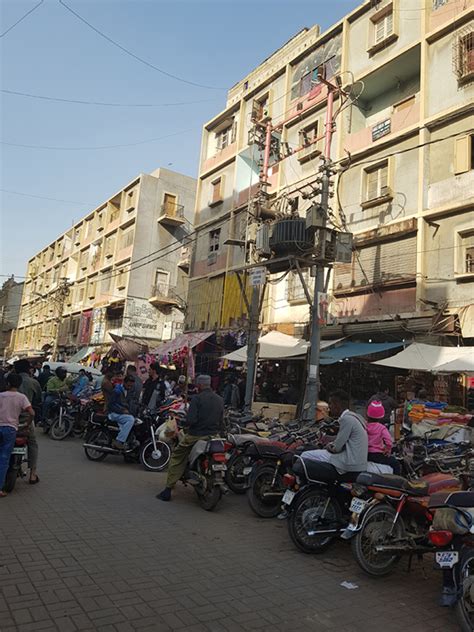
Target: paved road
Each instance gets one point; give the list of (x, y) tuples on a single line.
[(91, 549)]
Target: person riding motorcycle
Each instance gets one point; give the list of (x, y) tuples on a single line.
[(118, 411), (56, 385), (203, 421)]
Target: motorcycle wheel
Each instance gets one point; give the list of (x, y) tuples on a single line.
[(209, 499), (465, 605), (10, 480), (155, 462), (376, 531), (260, 484), (306, 514), (234, 469), (61, 428), (99, 437)]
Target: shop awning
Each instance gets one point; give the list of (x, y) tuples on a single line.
[(81, 354), (421, 357), (184, 340), (356, 349), (277, 346), (128, 348)]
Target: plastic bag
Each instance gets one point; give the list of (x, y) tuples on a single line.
[(169, 430)]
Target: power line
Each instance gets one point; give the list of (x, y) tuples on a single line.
[(22, 18), (102, 103), (131, 54), (42, 197), (141, 142)]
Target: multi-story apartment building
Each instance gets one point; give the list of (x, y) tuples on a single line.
[(404, 142), (126, 264), (10, 299)]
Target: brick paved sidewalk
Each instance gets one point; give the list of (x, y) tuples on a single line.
[(91, 549)]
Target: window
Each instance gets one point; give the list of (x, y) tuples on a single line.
[(91, 288), (214, 239), (162, 283), (122, 279), (261, 108), (77, 236), (105, 282), (84, 259), (89, 228), (96, 251), (110, 246), (114, 212), (383, 27), (51, 254), (309, 134), (126, 239), (463, 57), (226, 136), (80, 294), (100, 220), (308, 81), (376, 182), (217, 191), (294, 291), (130, 200), (466, 252), (463, 154), (170, 204)]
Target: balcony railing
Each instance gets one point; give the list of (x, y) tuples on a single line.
[(165, 296), (172, 214)]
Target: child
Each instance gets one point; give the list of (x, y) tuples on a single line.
[(380, 440)]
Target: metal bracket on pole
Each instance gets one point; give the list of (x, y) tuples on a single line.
[(244, 294), (326, 281), (304, 284), (260, 305)]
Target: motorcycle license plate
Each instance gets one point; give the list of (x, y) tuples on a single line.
[(19, 451), (219, 467), (357, 505), (288, 497), (246, 471), (446, 559)]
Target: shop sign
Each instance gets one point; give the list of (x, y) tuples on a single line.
[(257, 276), (142, 320), (85, 327), (98, 326)]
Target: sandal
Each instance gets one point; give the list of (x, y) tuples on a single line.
[(3, 494), (35, 481)]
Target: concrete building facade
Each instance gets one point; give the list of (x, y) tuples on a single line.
[(126, 264), (404, 147), (10, 300)]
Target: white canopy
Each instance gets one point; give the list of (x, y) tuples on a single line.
[(421, 357), (277, 346)]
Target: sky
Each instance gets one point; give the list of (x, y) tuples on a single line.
[(78, 155)]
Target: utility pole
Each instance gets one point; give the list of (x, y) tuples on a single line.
[(59, 299), (312, 380)]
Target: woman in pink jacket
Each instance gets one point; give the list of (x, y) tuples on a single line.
[(380, 439)]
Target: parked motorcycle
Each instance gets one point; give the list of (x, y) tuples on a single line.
[(452, 535), (390, 516), (101, 432), (316, 503), (206, 469), (18, 457), (72, 418)]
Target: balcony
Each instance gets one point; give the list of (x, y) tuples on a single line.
[(184, 260), (162, 295), (172, 214)]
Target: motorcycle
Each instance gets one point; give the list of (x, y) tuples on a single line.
[(72, 418), (390, 516), (316, 503), (452, 535), (143, 443), (18, 457), (205, 471)]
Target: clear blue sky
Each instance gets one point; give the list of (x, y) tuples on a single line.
[(52, 53)]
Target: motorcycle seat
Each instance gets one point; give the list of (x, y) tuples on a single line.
[(215, 445), (392, 481), (319, 471), (459, 499)]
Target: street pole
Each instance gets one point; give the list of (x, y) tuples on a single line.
[(312, 380), (252, 348)]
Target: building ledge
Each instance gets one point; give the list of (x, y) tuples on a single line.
[(387, 41), (383, 199)]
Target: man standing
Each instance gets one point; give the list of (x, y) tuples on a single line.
[(388, 403), (44, 376), (12, 405), (203, 421), (31, 388), (154, 388), (231, 394), (118, 411), (133, 394)]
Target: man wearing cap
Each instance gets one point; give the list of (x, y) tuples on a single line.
[(203, 421)]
